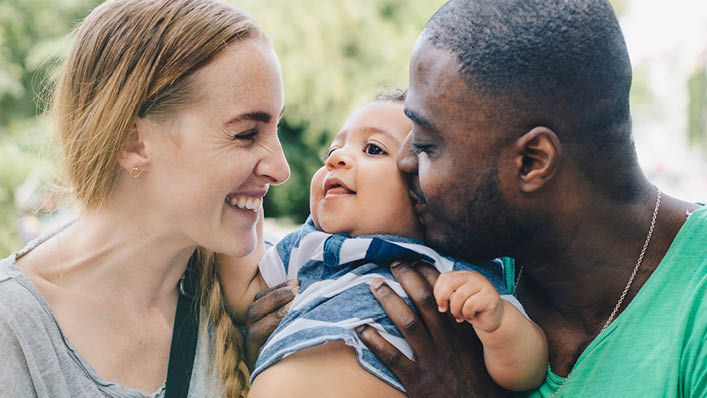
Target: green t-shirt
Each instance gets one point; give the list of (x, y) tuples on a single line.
[(657, 347)]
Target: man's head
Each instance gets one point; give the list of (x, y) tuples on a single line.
[(510, 100)]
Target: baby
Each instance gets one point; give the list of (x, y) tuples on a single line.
[(361, 220)]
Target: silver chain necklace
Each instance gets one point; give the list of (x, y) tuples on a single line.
[(626, 289)]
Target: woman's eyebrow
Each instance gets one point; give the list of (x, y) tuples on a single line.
[(258, 116)]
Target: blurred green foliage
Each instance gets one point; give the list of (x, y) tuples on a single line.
[(335, 55), (33, 37)]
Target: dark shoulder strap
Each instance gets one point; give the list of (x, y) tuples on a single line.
[(184, 335)]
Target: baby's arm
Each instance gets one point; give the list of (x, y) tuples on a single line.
[(515, 348), (240, 278)]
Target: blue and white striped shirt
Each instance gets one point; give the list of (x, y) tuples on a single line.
[(334, 272)]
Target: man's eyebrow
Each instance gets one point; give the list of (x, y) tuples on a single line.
[(418, 119)]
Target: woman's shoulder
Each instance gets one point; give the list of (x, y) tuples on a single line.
[(22, 308)]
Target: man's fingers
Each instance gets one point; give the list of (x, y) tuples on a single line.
[(258, 332), (421, 294), (269, 290), (409, 324), (427, 271), (386, 352), (270, 301)]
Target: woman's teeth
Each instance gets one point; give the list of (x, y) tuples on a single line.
[(244, 202)]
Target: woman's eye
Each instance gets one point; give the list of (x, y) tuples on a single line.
[(247, 135), (373, 149)]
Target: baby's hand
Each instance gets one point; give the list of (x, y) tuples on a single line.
[(469, 296)]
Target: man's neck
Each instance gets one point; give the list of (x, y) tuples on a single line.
[(583, 268)]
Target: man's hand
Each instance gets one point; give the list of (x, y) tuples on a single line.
[(448, 356), (264, 314)]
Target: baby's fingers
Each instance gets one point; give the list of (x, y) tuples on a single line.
[(470, 309), (461, 295), (444, 287)]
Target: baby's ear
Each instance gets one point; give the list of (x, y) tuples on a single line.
[(537, 157)]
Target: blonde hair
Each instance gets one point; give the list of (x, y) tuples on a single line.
[(135, 58), (229, 339)]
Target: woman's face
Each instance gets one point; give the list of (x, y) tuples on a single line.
[(214, 159)]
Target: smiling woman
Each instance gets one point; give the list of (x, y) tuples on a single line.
[(167, 114)]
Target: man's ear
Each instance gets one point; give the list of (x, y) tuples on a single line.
[(538, 155), (134, 154)]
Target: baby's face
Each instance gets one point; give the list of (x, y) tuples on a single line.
[(360, 190)]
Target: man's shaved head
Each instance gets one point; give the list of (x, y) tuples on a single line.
[(562, 64)]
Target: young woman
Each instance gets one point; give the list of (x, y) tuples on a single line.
[(167, 111)]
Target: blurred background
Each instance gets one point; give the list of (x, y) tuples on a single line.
[(335, 55)]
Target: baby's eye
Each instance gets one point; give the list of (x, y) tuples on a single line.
[(373, 149), (325, 153)]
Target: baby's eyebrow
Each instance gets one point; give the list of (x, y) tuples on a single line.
[(372, 129)]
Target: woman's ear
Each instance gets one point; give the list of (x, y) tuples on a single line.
[(134, 158), (538, 155)]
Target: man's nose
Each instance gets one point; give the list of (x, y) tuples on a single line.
[(406, 159)]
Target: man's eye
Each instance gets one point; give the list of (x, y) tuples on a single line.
[(247, 135), (418, 148), (373, 149)]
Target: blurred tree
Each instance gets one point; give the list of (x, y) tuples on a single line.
[(33, 37), (334, 55)]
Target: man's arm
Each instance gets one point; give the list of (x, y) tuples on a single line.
[(448, 356)]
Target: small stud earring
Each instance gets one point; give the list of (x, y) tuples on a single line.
[(135, 172)]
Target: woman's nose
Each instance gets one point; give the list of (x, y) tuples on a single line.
[(406, 160), (338, 158), (273, 167)]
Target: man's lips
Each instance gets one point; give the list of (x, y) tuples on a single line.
[(416, 194), (418, 201)]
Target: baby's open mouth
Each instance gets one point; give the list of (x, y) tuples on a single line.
[(339, 190), (334, 186)]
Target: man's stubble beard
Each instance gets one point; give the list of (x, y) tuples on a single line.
[(489, 227)]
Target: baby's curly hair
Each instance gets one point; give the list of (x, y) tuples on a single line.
[(391, 95)]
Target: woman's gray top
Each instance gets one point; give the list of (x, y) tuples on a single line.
[(37, 360)]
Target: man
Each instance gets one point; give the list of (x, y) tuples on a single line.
[(521, 147)]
